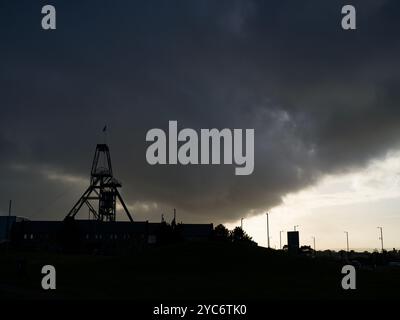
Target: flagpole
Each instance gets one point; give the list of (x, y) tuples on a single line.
[(105, 134)]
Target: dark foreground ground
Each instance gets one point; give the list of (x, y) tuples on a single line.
[(188, 272)]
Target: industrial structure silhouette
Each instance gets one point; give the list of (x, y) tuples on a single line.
[(102, 231), (103, 188)]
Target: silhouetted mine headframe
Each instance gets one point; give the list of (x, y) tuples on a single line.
[(103, 189)]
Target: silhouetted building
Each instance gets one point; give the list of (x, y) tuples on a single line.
[(87, 235), (293, 242), (196, 232), (6, 223)]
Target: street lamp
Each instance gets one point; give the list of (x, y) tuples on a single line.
[(267, 230), (381, 237), (314, 243), (347, 238)]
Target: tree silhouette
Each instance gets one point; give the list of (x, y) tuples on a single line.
[(306, 250), (221, 233), (239, 235)]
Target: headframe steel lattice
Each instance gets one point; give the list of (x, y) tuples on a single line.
[(103, 188)]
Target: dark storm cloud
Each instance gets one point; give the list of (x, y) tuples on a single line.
[(321, 100)]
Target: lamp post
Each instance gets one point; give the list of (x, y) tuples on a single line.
[(347, 239), (381, 237), (314, 243), (268, 230), (280, 239)]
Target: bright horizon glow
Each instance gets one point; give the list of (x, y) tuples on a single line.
[(357, 202)]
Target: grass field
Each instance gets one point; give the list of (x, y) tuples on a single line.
[(190, 271)]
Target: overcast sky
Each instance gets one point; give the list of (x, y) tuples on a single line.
[(323, 101)]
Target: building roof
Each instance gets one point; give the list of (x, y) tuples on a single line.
[(197, 230)]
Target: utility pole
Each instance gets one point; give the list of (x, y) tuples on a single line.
[(381, 237), (268, 230), (280, 239), (347, 238), (314, 243)]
